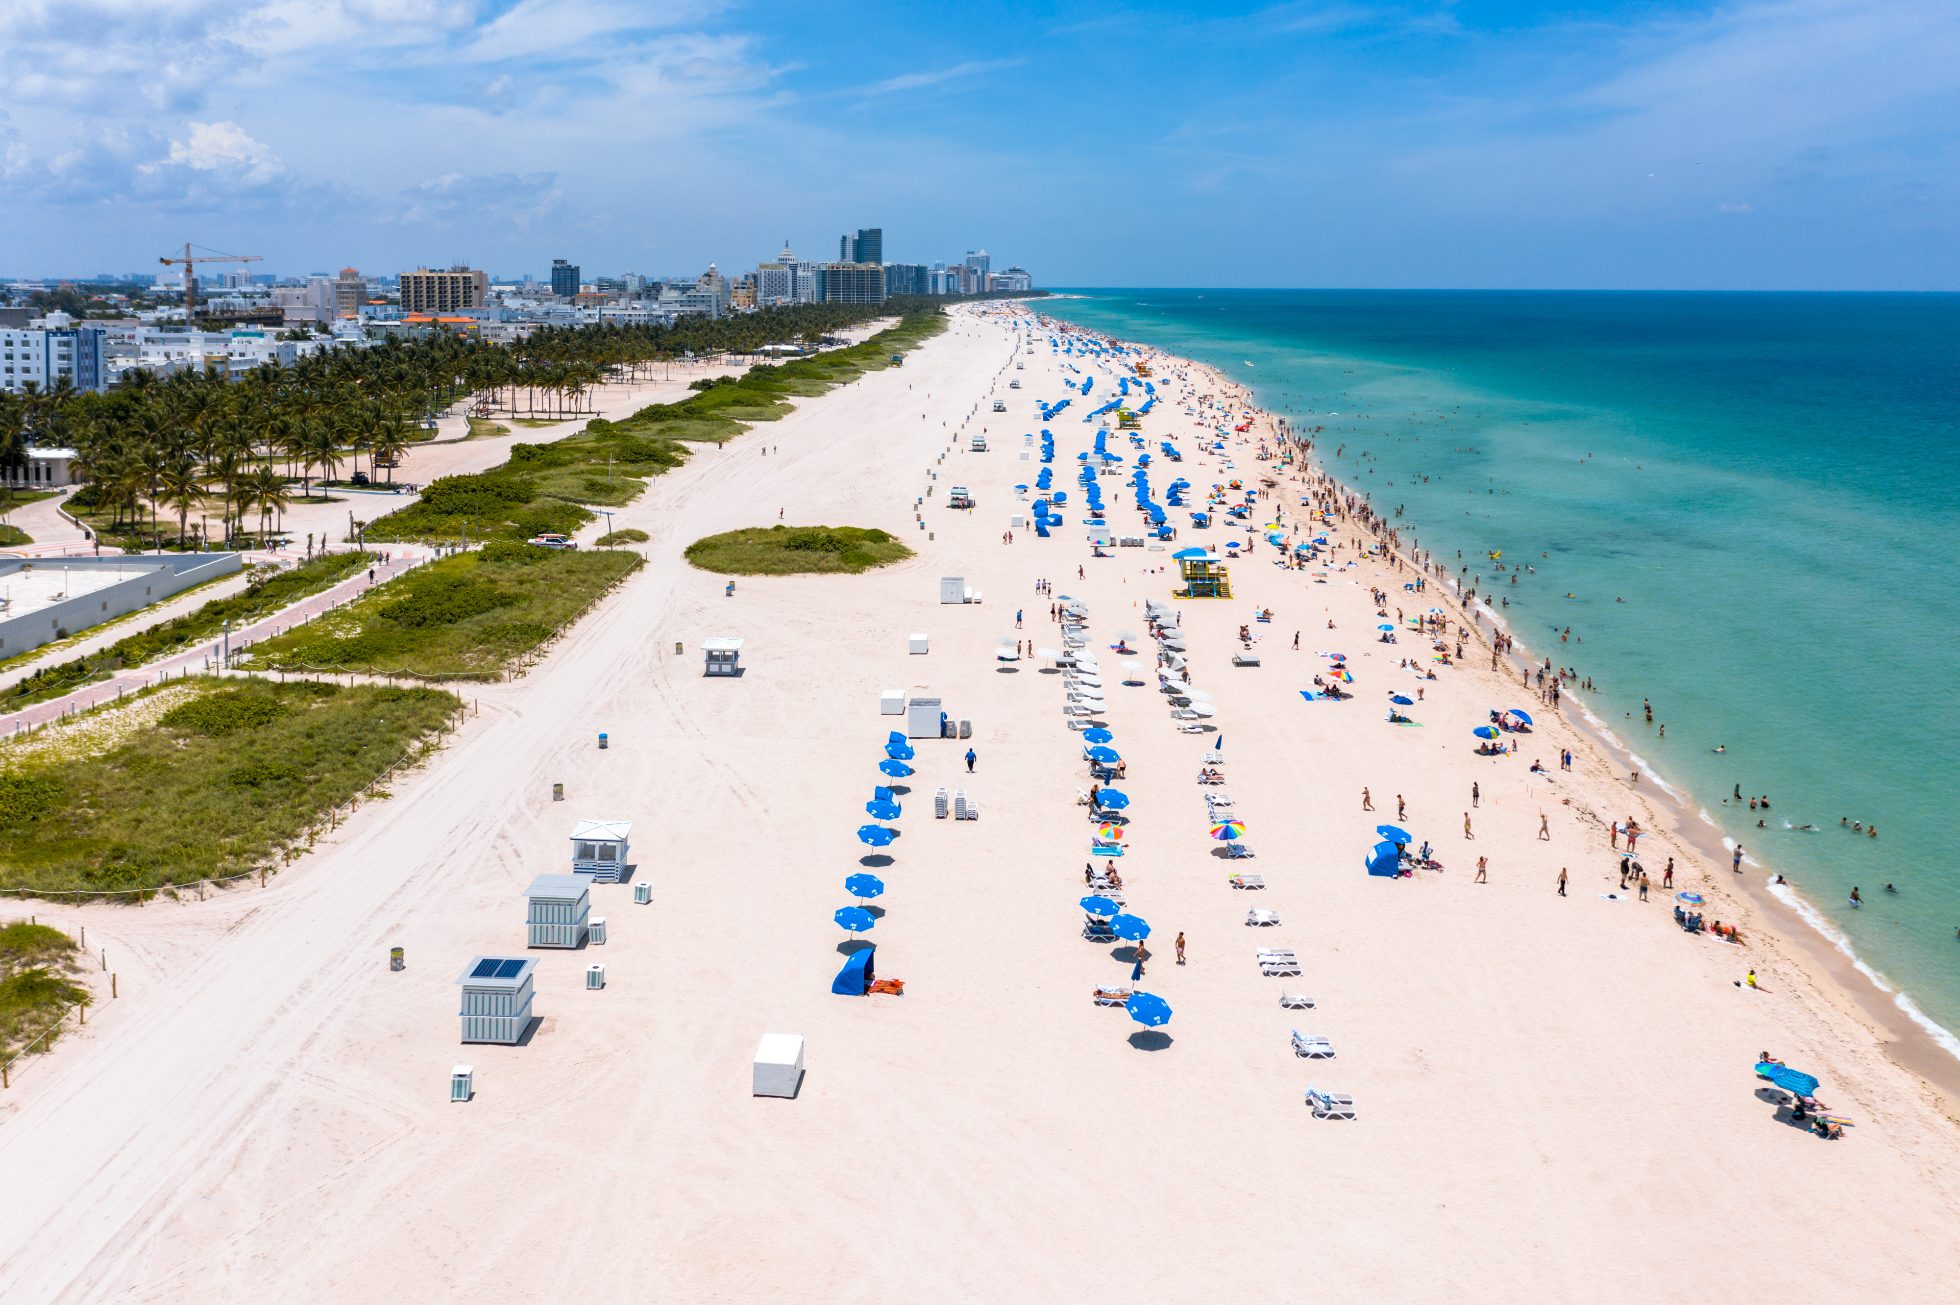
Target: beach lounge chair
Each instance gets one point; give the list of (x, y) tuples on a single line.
[(1247, 881), (1217, 800), (939, 804), (1097, 931), (959, 804), (1329, 1105), (1245, 659), (1214, 758), (1114, 996), (1105, 849), (1311, 1046), (1235, 851), (1296, 1001), (1261, 919)]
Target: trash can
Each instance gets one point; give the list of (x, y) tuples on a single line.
[(396, 959), (602, 740), (558, 791)]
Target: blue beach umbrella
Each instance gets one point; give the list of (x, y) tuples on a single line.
[(1133, 927), (875, 835), (1691, 899), (1394, 833), (1108, 756), (1487, 732), (881, 810), (899, 751), (1521, 716), (893, 767), (1148, 1009), (1401, 700), (1100, 906), (854, 919), (1111, 799), (1097, 735), (1385, 626), (862, 885), (1790, 1080)]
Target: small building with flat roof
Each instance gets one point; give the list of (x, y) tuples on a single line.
[(558, 907), (497, 992)]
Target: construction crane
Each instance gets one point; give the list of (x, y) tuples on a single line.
[(190, 262)]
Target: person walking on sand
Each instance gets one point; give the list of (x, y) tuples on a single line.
[(1643, 885), (1735, 861), (1476, 794), (1180, 947), (1544, 828), (1483, 871), (1367, 801), (1017, 618), (1466, 826), (970, 759), (1401, 808), (1667, 875), (1561, 881)]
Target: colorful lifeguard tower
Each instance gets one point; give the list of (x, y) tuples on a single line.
[(1203, 573), (1128, 420)]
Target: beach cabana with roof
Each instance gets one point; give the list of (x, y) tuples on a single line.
[(599, 849), (559, 906), (497, 993)]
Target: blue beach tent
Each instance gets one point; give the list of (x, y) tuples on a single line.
[(854, 980), (1385, 860)]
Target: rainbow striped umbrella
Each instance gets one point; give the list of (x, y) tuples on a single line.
[(1227, 830)]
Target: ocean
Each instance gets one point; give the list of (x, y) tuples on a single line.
[(1745, 507)]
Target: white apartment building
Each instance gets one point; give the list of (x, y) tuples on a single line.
[(45, 354)]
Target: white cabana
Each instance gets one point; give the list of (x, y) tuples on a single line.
[(600, 848), (558, 907), (497, 992), (723, 656)]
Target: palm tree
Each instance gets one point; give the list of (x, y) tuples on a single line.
[(265, 489), (180, 485)]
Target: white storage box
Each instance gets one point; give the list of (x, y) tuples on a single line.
[(952, 589), (462, 1083), (891, 702), (642, 894), (595, 977), (919, 645), (778, 1065), (595, 930)]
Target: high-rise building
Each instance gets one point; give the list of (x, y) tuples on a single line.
[(349, 293), (867, 246), (977, 260), (564, 278), (46, 354), (1015, 280), (851, 283), (907, 279), (448, 291), (787, 280)]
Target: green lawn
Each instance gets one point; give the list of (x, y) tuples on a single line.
[(626, 536), (472, 615), (796, 550), (482, 427), (198, 780), (36, 990), (266, 593), (14, 536), (544, 488)]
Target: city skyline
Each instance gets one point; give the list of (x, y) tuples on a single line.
[(1771, 144)]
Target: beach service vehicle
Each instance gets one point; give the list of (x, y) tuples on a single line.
[(978, 444), (1014, 385), (552, 541), (958, 497), (1000, 405)]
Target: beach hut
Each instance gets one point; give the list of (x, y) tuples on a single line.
[(924, 719), (724, 656), (497, 994), (778, 1065), (599, 849), (952, 589), (559, 906), (1204, 574)]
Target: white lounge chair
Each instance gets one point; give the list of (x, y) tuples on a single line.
[(1251, 882), (1261, 919), (1112, 996), (1329, 1105), (1296, 1001), (1312, 1046)]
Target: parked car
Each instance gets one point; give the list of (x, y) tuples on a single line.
[(552, 541)]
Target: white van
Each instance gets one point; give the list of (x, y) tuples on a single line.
[(978, 444)]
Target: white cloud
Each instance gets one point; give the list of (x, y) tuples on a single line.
[(225, 147), (914, 81)]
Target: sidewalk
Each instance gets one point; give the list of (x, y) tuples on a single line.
[(404, 557)]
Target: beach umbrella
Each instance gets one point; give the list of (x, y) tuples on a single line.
[(899, 751), (1047, 654), (1227, 830), (879, 809), (1097, 735), (1385, 626), (855, 919), (1106, 755), (1109, 833), (1487, 732), (893, 767), (1202, 710), (1692, 899), (1793, 1081), (1132, 927), (1401, 700), (875, 835), (863, 885), (1394, 833), (1112, 799), (1520, 715), (1102, 907), (1148, 1009)]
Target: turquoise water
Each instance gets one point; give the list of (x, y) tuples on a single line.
[(1770, 482)]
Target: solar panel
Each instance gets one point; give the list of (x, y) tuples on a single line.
[(510, 969), (485, 969)]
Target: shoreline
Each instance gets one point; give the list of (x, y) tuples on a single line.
[(1921, 1046)]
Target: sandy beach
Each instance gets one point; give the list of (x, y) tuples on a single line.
[(1554, 1093)]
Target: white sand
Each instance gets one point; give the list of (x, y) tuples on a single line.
[(1555, 1094)]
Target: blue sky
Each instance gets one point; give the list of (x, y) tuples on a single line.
[(1774, 144)]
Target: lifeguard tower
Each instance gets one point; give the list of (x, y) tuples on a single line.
[(1128, 420), (723, 656), (1203, 573)]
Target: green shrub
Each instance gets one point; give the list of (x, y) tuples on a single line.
[(630, 535), (225, 712), (444, 603), (793, 550)]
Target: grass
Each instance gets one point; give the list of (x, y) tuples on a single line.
[(545, 488), (12, 536), (482, 427), (540, 421), (472, 615), (35, 988), (265, 594), (796, 550), (204, 779), (630, 535)]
